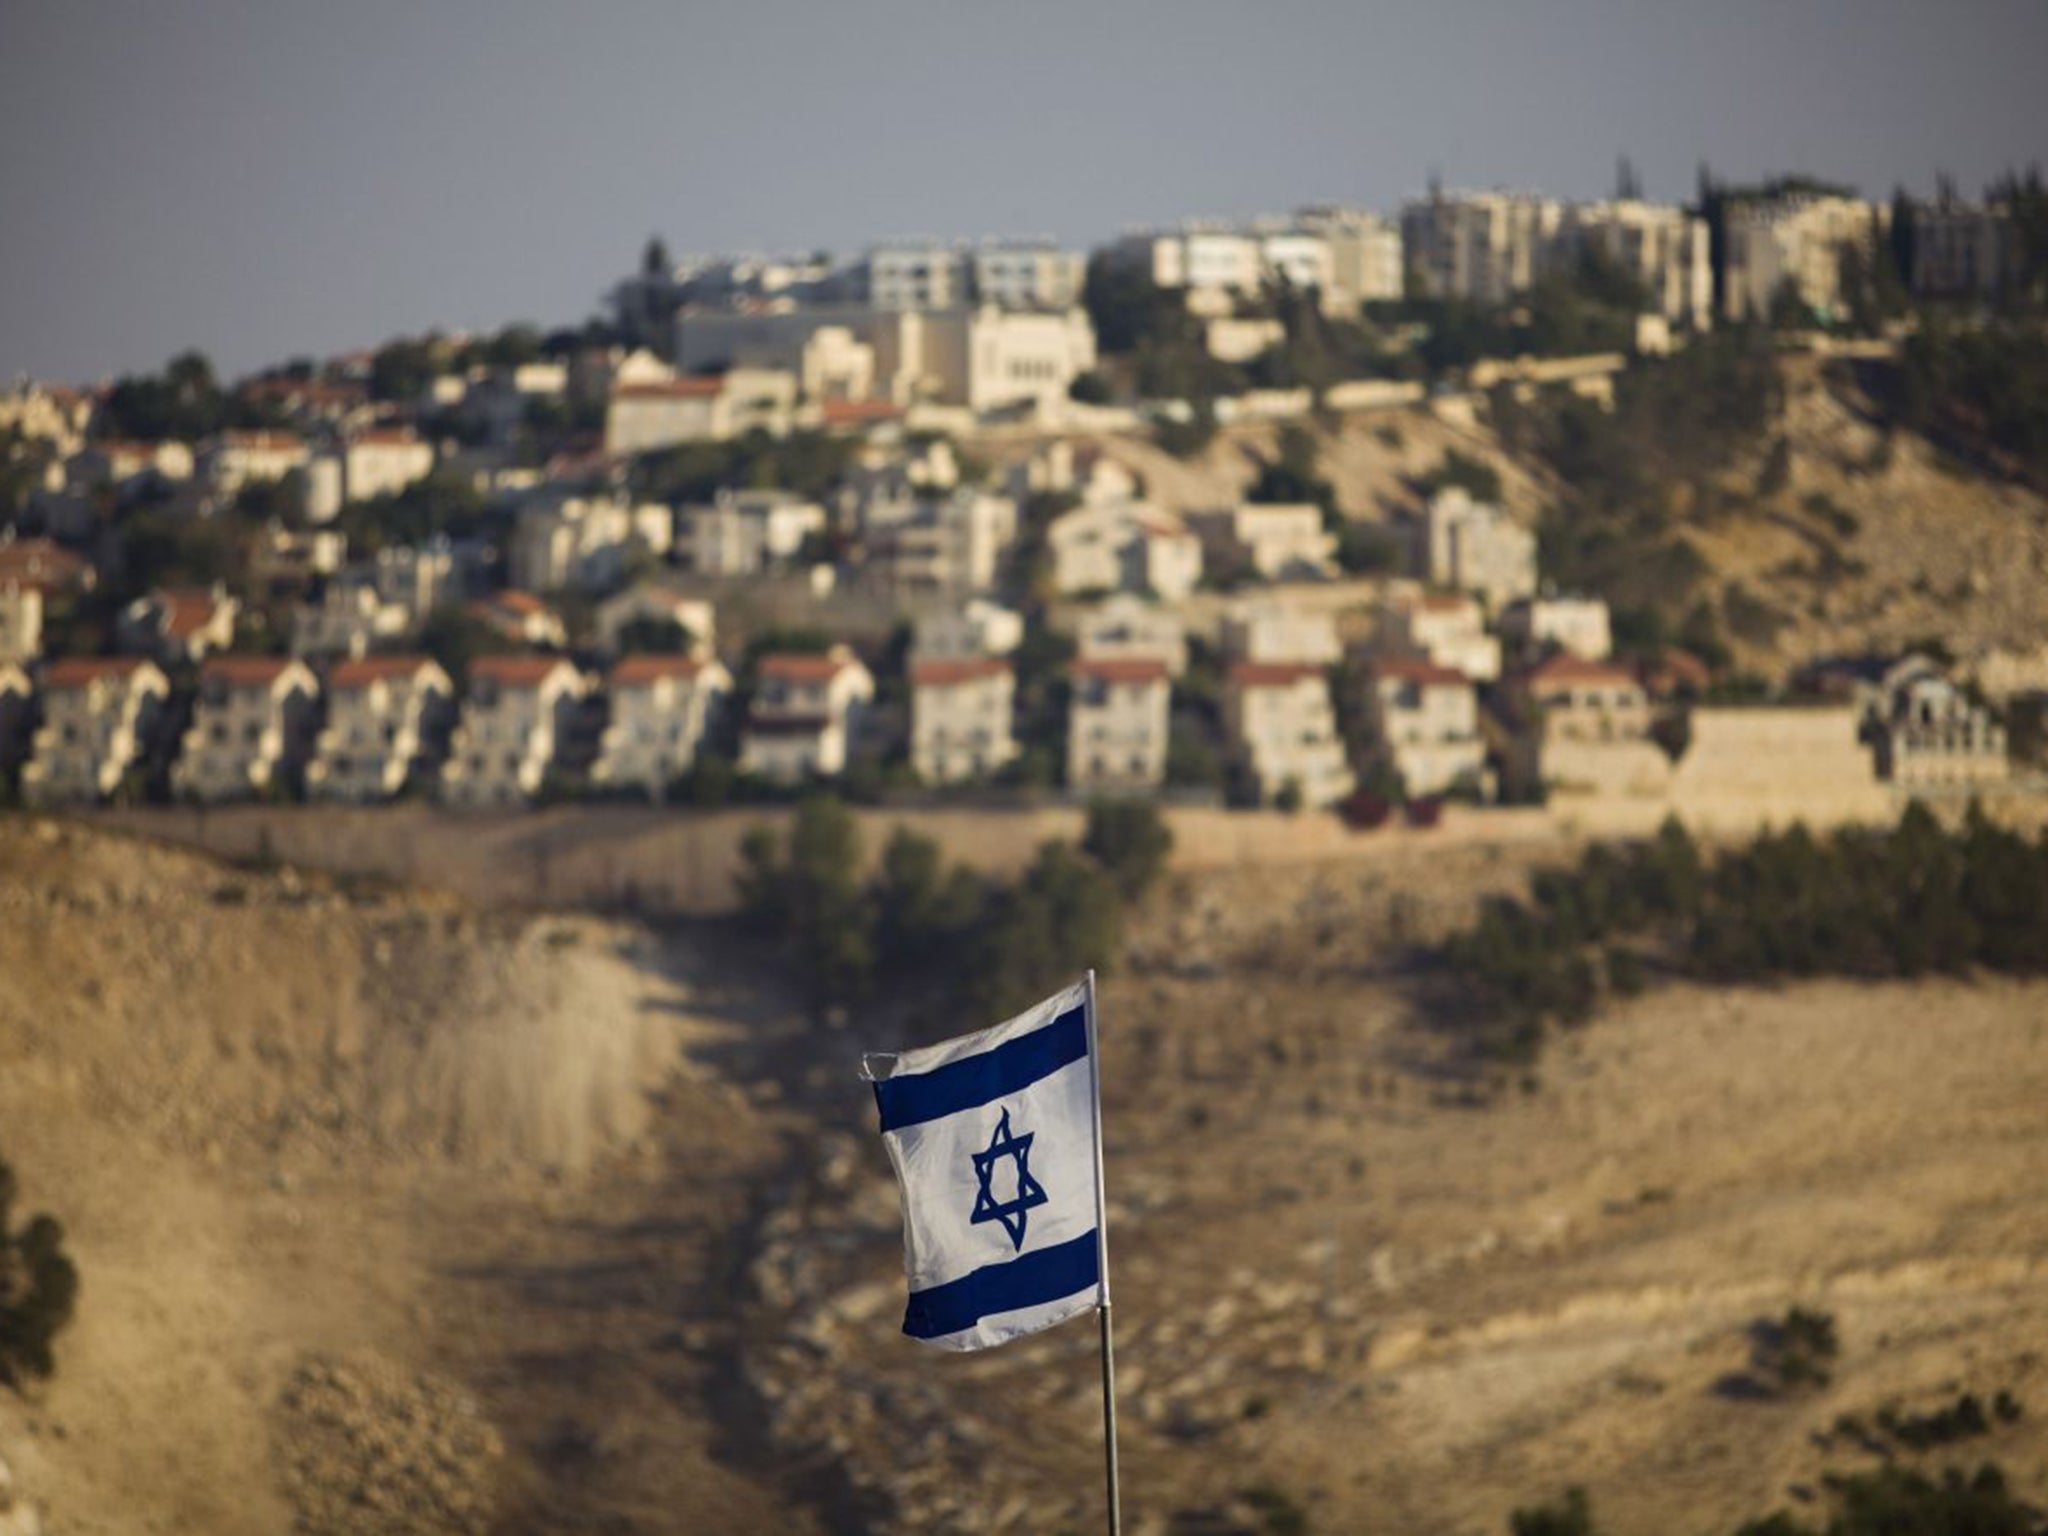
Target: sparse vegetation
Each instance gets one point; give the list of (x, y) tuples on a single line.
[(1904, 902)]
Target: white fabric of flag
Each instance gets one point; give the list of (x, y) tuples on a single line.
[(993, 1139)]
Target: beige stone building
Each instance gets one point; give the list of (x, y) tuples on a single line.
[(1797, 243), (1471, 546), (1486, 247), (1585, 728), (1925, 732), (1663, 247), (1446, 628), (1578, 626), (523, 720), (1965, 251), (388, 723), (1127, 627), (1283, 729), (254, 722), (744, 533), (661, 708), (960, 717), (1271, 629), (350, 618), (236, 459), (1118, 724), (641, 418), (101, 717), (977, 627), (947, 546), (1124, 547), (1275, 541), (17, 721), (806, 715), (1423, 722)]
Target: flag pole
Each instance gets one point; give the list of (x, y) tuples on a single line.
[(1102, 1308)]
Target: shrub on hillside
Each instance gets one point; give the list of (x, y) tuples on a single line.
[(38, 1291)]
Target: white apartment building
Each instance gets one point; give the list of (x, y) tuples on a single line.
[(947, 547), (1365, 255), (806, 715), (1486, 247), (1798, 240), (1584, 727), (252, 731), (124, 467), (21, 622), (236, 459), (1578, 626), (101, 715), (960, 717), (1124, 547), (179, 624), (1027, 275), (1965, 251), (383, 461), (983, 357), (388, 722), (1278, 541), (1118, 724), (1129, 628), (416, 577), (1662, 246), (644, 417), (521, 721), (1925, 731), (349, 619), (1266, 630), (743, 533), (1474, 547), (661, 707), (1446, 628), (976, 627), (1283, 728), (1424, 723), (574, 541)]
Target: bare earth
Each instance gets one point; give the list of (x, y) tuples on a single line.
[(393, 1216)]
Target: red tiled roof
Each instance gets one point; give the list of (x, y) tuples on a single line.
[(1273, 674), (79, 671), (1444, 602), (269, 441), (515, 601), (514, 671), (944, 672), (362, 672), (40, 563), (1571, 669), (852, 412), (672, 389), (1121, 669), (1675, 666), (186, 610), (635, 671), (1427, 674), (245, 671), (803, 669)]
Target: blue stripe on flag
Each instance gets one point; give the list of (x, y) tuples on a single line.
[(1031, 1281), (915, 1097)]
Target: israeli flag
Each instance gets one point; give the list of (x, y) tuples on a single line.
[(994, 1137)]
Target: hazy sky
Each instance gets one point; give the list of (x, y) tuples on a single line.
[(267, 179)]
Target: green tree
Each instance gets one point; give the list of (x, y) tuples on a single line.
[(1571, 1515), (809, 900), (38, 1290), (1130, 839)]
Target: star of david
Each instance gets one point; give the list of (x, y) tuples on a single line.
[(1030, 1193)]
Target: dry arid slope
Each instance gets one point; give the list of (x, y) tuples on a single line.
[(393, 1217)]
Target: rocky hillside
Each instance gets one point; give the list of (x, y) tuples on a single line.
[(394, 1217)]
